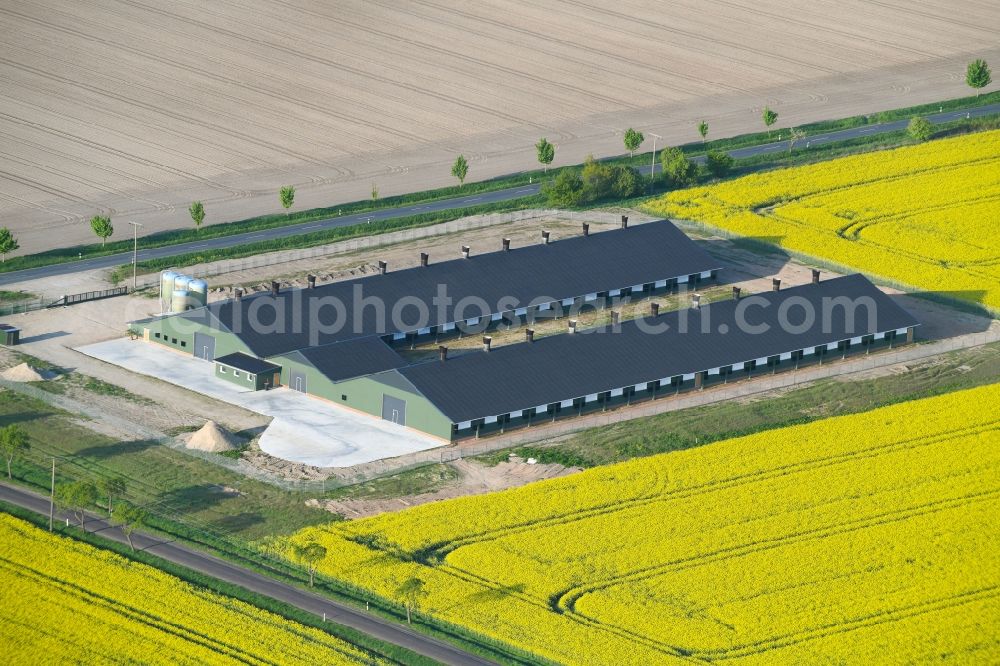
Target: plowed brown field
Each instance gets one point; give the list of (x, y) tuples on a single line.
[(137, 107)]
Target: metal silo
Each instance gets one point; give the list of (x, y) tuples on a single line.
[(180, 300), (198, 292), (166, 289)]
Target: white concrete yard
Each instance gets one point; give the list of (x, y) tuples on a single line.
[(303, 429)]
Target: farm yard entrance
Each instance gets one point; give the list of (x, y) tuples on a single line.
[(393, 409)]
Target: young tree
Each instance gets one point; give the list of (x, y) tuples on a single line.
[(374, 191), (546, 153), (769, 117), (598, 179), (920, 129), (197, 211), (287, 196), (633, 139), (7, 242), (111, 488), (797, 135), (978, 75), (703, 130), (410, 592), (309, 554), (129, 518), (77, 497), (625, 181), (565, 190), (678, 170), (101, 224), (13, 442), (460, 169), (718, 163)]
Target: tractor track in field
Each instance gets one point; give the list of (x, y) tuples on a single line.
[(439, 551)]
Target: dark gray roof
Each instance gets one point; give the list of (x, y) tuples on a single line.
[(241, 361), (566, 366), (562, 269), (352, 358)]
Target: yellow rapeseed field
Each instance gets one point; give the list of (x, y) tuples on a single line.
[(857, 539), (925, 216), (66, 602)]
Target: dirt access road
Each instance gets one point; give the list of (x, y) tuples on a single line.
[(137, 108)]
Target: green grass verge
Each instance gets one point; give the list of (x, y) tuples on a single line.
[(824, 126), (313, 239), (172, 237), (8, 297), (425, 479), (188, 500), (372, 646), (184, 489), (697, 426)]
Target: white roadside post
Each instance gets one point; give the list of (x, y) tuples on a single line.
[(652, 163), (135, 250)]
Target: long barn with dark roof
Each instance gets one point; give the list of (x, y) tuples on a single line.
[(334, 341)]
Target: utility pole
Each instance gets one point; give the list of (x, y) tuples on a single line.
[(652, 164), (52, 494), (135, 250)]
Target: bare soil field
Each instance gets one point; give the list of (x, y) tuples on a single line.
[(136, 108)]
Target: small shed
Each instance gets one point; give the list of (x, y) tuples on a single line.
[(10, 335), (248, 371)]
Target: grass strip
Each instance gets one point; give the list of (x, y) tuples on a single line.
[(375, 647), (301, 241), (698, 426), (244, 555), (262, 222)]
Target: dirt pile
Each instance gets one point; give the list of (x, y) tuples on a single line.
[(213, 438), (23, 373)]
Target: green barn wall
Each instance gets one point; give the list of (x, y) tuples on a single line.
[(365, 394), (183, 331)]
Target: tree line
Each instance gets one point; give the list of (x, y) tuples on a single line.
[(594, 182)]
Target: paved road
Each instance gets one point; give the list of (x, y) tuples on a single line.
[(178, 553), (436, 206)]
